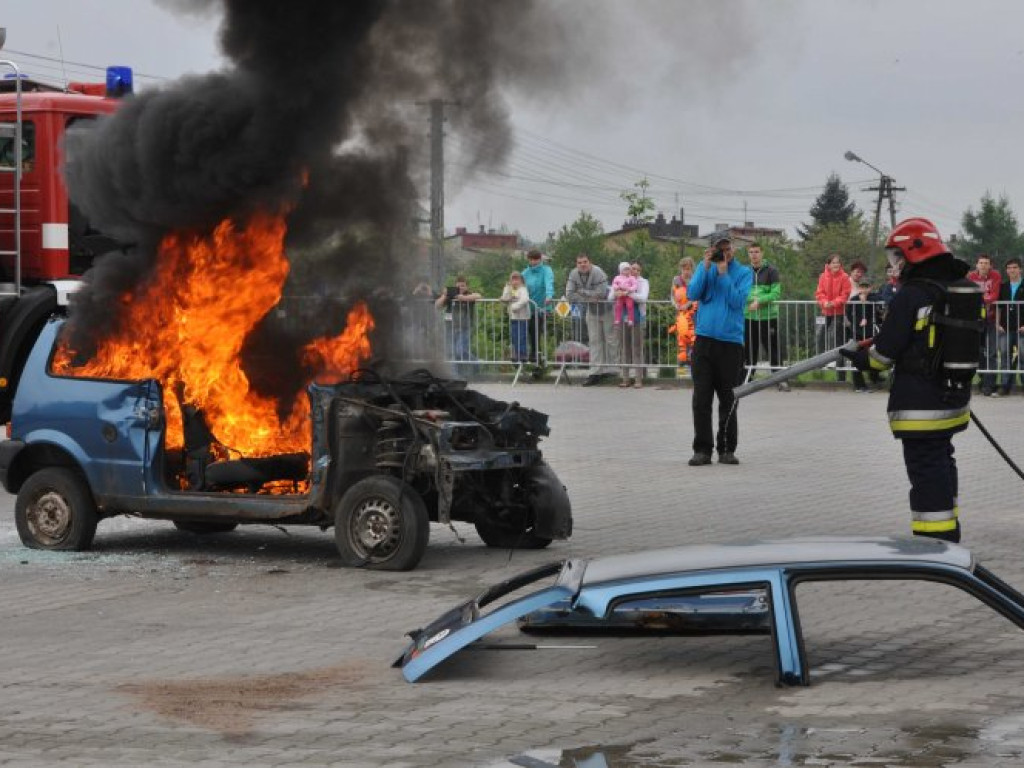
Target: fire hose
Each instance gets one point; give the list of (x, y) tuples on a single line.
[(804, 366), (834, 356)]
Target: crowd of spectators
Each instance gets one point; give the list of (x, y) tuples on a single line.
[(1001, 340), (610, 317)]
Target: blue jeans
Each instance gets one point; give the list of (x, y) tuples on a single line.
[(989, 357), (460, 344), (519, 332), (1010, 351), (459, 338)]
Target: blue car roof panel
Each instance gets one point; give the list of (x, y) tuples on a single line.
[(752, 554), (438, 643)]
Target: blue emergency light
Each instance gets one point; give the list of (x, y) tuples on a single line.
[(119, 81)]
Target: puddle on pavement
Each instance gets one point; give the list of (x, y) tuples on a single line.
[(1008, 729), (926, 746)]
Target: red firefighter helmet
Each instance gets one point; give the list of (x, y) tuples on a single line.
[(914, 240)]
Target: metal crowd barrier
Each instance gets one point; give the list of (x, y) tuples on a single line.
[(479, 338)]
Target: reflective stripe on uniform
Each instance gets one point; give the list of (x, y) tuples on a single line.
[(934, 522), (923, 314), (939, 526), (927, 421), (879, 362), (935, 517)]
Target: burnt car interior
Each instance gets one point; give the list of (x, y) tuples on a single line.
[(208, 465)]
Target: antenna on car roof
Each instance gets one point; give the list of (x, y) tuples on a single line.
[(63, 69)]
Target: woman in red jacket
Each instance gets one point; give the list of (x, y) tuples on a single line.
[(834, 289)]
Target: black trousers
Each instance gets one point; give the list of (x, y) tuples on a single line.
[(835, 336), (536, 336), (716, 367), (931, 469), (763, 334)]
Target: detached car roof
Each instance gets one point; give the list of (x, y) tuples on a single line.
[(689, 580), (787, 552)]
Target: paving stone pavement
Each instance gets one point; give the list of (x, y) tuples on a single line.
[(161, 648)]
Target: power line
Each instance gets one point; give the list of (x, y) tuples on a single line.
[(707, 189), (93, 67)]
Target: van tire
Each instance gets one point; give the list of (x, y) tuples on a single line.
[(55, 510), (381, 523), (546, 496)]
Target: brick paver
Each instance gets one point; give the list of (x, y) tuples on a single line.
[(160, 648)]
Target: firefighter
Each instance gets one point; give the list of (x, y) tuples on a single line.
[(930, 339)]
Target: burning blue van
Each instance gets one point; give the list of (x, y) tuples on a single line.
[(387, 458)]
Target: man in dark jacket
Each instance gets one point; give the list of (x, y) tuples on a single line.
[(988, 280), (1010, 325), (862, 315), (930, 396)]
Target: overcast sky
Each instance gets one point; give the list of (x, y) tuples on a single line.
[(734, 109)]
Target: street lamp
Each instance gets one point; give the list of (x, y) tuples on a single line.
[(884, 189)]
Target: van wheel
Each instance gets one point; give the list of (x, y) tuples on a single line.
[(55, 510), (381, 523), (197, 526), (545, 495)]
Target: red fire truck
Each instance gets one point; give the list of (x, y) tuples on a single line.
[(43, 235)]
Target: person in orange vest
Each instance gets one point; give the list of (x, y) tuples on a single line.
[(685, 311)]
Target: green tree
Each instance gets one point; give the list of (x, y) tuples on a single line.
[(992, 229), (639, 206), (798, 272), (585, 235), (639, 213), (833, 206), (851, 240), (490, 270)]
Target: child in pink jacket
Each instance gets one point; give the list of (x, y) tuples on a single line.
[(624, 281)]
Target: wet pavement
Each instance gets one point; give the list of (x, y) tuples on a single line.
[(253, 648)]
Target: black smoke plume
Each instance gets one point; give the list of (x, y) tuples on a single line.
[(328, 90)]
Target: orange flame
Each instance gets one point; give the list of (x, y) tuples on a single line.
[(186, 327)]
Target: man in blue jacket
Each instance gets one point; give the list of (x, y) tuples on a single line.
[(721, 286)]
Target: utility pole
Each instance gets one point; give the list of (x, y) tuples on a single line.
[(437, 266), (884, 190), (437, 194)]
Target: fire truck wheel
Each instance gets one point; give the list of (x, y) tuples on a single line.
[(197, 526), (55, 510), (381, 523)]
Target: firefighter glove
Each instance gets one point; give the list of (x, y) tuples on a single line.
[(859, 358)]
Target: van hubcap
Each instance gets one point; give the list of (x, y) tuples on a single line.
[(375, 528), (49, 519)]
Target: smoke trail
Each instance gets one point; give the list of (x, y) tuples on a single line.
[(324, 91), (332, 91)]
